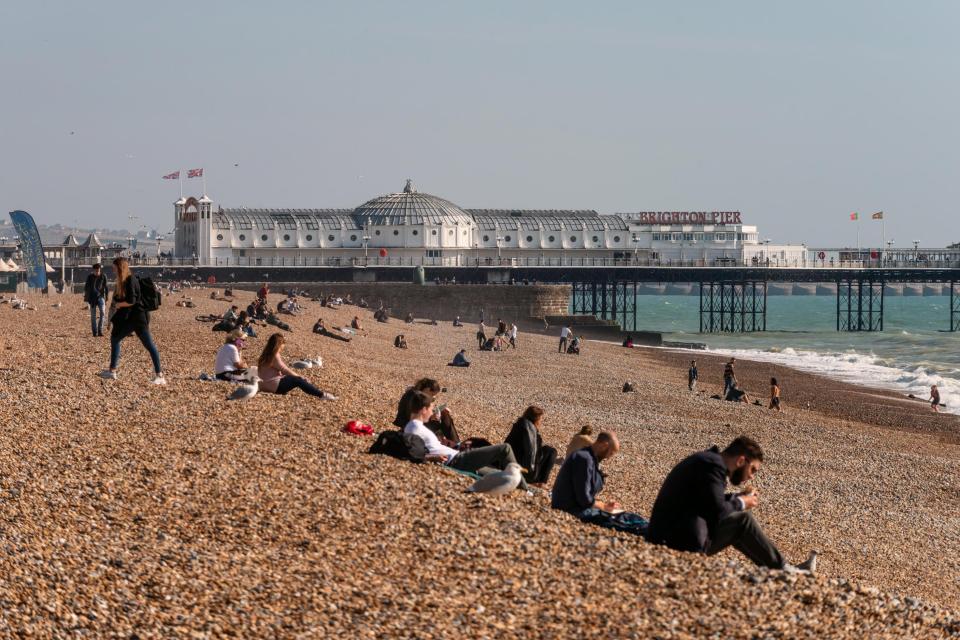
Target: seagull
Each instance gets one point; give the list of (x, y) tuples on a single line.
[(499, 483), (57, 305), (245, 391), (317, 362), (302, 364)]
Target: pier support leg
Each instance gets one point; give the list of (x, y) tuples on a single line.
[(955, 306), (859, 305), (733, 307)]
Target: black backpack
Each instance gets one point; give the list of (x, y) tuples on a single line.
[(150, 297), (403, 446)]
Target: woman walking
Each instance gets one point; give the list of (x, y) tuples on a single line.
[(129, 316), (276, 376)]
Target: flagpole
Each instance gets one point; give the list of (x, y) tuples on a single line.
[(180, 180)]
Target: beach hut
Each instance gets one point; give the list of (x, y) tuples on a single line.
[(12, 265), (3, 266)]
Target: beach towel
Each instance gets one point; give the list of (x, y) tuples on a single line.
[(358, 428), (624, 521)]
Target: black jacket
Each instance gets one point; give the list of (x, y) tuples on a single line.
[(525, 441), (129, 319), (691, 502), (578, 482), (95, 287)]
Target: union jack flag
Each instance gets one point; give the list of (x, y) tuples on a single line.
[(195, 173), (172, 176)]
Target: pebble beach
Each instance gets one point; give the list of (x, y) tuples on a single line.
[(130, 509)]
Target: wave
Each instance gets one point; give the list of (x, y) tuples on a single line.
[(862, 369)]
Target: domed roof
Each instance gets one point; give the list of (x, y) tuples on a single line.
[(410, 208)]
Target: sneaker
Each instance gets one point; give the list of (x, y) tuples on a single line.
[(810, 564), (160, 380), (328, 396), (107, 374)]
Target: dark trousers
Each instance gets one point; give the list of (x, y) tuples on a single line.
[(563, 346), (145, 338), (741, 530), (543, 465), (289, 383)]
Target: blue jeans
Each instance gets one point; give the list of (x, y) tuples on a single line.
[(97, 326), (146, 339), (289, 383)]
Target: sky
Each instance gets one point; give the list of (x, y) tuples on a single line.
[(795, 114)]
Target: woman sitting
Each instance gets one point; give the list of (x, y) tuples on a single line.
[(574, 348), (528, 448), (321, 329), (230, 365), (355, 323), (276, 376), (400, 342)]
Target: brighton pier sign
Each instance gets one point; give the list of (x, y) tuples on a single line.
[(687, 217)]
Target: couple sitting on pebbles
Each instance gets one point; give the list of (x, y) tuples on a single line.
[(692, 512), (419, 415)]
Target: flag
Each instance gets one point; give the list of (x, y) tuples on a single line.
[(195, 173), (172, 176), (878, 215), (854, 216)]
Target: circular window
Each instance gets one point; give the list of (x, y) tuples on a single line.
[(286, 237), (263, 237), (486, 238), (395, 232), (551, 238), (353, 238), (433, 232), (616, 238), (242, 237), (377, 232), (219, 236), (529, 238), (573, 238), (506, 238), (596, 239), (415, 232), (330, 238), (309, 237)]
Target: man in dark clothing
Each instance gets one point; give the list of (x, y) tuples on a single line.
[(692, 376), (580, 480), (95, 294), (729, 378), (693, 512)]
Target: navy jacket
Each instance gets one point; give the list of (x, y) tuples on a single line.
[(691, 502), (95, 287), (578, 483)]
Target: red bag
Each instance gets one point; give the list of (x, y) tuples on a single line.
[(358, 428)]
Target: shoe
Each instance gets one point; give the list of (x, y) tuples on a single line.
[(159, 379), (328, 396), (810, 564), (108, 375)]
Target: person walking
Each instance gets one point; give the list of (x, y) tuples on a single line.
[(513, 335), (128, 316), (774, 395), (935, 399), (95, 292), (564, 335), (692, 376)]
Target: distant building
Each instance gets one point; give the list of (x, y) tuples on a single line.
[(412, 228)]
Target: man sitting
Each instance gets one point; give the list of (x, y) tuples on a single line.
[(460, 360), (693, 512), (321, 329), (497, 456), (580, 481), (574, 348), (400, 342), (736, 394)]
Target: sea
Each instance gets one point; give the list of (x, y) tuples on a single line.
[(915, 349)]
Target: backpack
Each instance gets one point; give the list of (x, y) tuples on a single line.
[(150, 297), (399, 445)]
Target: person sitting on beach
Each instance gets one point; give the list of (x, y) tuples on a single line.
[(581, 439), (380, 315), (729, 378), (284, 306), (355, 323), (409, 318), (321, 329), (497, 456), (363, 304), (775, 395), (231, 313), (440, 422), (574, 348), (528, 448), (580, 481), (400, 342), (736, 394), (273, 320), (460, 360), (229, 364), (456, 322), (693, 512), (228, 293), (349, 299), (277, 377), (245, 322), (628, 343), (488, 345), (934, 399), (692, 376)]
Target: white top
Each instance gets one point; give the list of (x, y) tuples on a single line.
[(430, 439), (513, 331), (227, 357), (565, 332)]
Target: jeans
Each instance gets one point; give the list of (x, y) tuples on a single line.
[(741, 530), (496, 455), (289, 383), (146, 339), (97, 326)]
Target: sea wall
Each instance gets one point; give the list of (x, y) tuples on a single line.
[(444, 302)]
